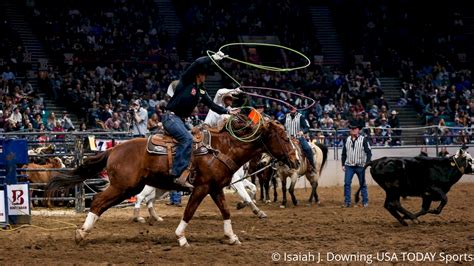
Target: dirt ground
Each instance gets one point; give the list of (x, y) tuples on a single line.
[(294, 234)]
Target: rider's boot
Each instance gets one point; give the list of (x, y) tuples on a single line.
[(183, 179)]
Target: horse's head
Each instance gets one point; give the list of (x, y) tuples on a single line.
[(56, 162), (278, 144)]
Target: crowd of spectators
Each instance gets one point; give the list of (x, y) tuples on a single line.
[(99, 92)]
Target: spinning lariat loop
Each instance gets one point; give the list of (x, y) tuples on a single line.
[(263, 67), (255, 134)]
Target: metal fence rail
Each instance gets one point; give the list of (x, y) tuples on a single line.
[(74, 147)]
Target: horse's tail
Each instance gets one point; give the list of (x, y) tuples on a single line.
[(324, 149), (89, 169)]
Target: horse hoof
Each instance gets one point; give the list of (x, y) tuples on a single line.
[(139, 220), (152, 220), (235, 241), (183, 242), (262, 215), (80, 235)]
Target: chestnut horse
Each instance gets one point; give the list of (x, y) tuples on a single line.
[(130, 167), (44, 176)]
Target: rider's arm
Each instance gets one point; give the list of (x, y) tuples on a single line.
[(206, 99)]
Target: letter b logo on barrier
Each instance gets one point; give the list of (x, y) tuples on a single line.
[(18, 197)]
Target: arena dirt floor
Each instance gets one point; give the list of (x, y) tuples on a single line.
[(326, 232)]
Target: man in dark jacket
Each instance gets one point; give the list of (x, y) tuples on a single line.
[(189, 92)]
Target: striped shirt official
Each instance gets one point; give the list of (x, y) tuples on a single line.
[(356, 152), (294, 125)]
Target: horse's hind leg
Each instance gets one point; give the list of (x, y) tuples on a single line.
[(313, 179), (151, 210), (294, 178), (266, 185), (147, 194), (102, 201), (199, 193), (219, 199)]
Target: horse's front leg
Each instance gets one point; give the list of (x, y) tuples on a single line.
[(275, 193), (219, 199), (199, 193)]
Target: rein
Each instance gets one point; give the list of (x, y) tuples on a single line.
[(254, 173)]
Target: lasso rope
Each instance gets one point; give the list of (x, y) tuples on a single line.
[(252, 136), (278, 100), (69, 226), (264, 67)]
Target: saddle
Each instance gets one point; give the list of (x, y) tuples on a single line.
[(164, 144)]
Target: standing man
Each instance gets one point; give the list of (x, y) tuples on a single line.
[(356, 153), (296, 125), (189, 92), (224, 97), (139, 119)]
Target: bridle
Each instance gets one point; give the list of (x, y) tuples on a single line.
[(283, 147)]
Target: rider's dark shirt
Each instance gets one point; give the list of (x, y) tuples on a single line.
[(188, 94)]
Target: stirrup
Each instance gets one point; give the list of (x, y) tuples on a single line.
[(183, 180)]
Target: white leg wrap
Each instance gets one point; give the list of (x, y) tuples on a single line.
[(183, 242), (181, 227), (250, 186), (146, 194), (149, 204), (233, 239), (90, 221), (239, 186), (139, 201), (153, 214)]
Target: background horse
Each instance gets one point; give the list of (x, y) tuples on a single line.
[(42, 177), (148, 194), (130, 167), (320, 153), (264, 177)]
